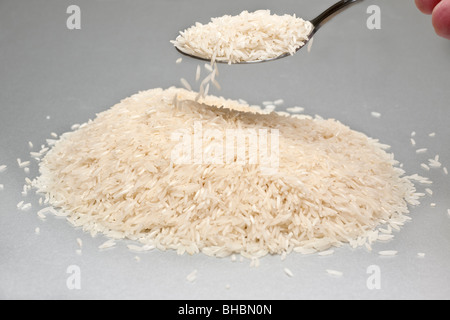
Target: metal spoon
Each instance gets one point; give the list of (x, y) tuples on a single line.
[(316, 22)]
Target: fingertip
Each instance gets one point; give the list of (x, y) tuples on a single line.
[(441, 19), (426, 6)]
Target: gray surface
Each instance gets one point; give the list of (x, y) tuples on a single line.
[(401, 71)]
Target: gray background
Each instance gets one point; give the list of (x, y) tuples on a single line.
[(401, 71)]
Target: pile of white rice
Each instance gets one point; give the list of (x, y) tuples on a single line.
[(248, 36), (115, 175)]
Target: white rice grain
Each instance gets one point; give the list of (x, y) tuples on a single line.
[(186, 84), (421, 255), (388, 253), (23, 164), (26, 207), (334, 272), (198, 73), (208, 67), (445, 170), (413, 142), (432, 134), (288, 272), (429, 191), (3, 168), (278, 102), (107, 244), (326, 253), (432, 204), (375, 114), (37, 230), (424, 166), (295, 109), (179, 60), (191, 277), (310, 43), (422, 150)]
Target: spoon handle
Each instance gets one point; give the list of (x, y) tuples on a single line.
[(330, 12)]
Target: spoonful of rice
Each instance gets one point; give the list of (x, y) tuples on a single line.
[(251, 37)]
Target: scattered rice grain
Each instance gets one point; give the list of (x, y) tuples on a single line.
[(375, 114), (335, 273), (388, 253), (288, 272), (192, 276), (107, 244)]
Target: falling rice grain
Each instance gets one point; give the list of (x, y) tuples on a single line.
[(37, 231), (310, 43), (198, 73), (422, 150), (421, 255), (208, 67), (186, 84), (3, 168), (179, 60)]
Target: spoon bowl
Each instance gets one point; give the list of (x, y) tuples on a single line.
[(316, 22)]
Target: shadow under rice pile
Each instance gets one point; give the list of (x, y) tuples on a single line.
[(122, 175)]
